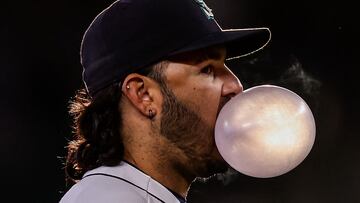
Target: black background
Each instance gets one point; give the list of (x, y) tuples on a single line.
[(313, 52)]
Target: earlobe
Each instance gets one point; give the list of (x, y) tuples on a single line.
[(138, 90)]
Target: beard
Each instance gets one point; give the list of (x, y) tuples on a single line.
[(185, 130)]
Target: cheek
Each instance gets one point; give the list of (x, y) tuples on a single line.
[(201, 94), (205, 101)]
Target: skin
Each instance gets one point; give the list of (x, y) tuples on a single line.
[(176, 144)]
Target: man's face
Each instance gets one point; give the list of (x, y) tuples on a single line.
[(198, 84)]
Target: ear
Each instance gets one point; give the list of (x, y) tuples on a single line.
[(143, 94)]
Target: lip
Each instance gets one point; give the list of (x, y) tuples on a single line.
[(222, 103)]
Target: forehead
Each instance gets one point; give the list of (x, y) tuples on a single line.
[(200, 55)]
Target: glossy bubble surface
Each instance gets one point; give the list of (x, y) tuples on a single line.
[(265, 131)]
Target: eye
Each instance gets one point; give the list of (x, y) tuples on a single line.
[(208, 70)]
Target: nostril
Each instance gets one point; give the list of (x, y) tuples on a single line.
[(231, 95)]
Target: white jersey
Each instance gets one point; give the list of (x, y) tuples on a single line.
[(118, 184)]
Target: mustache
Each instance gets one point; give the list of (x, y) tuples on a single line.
[(222, 102)]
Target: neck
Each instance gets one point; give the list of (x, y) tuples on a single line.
[(157, 162)]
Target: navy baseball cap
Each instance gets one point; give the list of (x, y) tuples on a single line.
[(133, 34)]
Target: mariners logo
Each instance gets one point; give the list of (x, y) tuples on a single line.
[(205, 9)]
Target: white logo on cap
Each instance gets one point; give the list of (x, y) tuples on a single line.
[(205, 8)]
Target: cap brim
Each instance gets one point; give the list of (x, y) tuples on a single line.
[(238, 42)]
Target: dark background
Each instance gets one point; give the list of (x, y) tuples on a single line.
[(313, 52)]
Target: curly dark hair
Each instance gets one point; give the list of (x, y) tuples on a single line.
[(97, 124)]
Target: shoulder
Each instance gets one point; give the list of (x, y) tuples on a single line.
[(103, 189)]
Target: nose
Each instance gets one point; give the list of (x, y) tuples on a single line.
[(232, 85)]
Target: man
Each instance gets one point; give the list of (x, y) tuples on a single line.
[(155, 82)]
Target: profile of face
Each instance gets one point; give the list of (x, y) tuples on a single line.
[(197, 86)]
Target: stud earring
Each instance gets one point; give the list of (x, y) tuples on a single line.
[(127, 87), (151, 114)]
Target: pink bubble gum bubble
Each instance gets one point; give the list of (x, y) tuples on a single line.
[(266, 131)]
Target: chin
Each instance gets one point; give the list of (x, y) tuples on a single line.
[(214, 165), (212, 169)]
